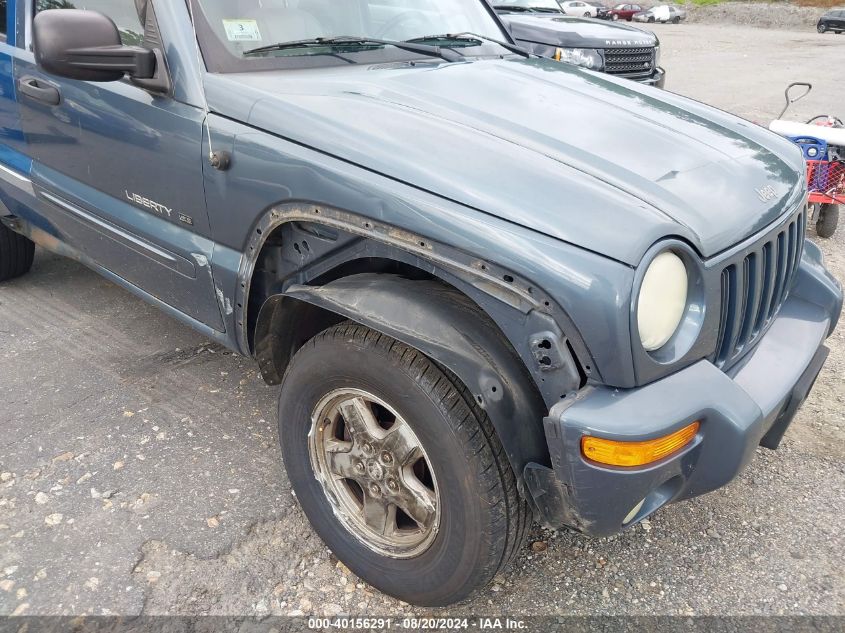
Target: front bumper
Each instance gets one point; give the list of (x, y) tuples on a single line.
[(751, 404), (657, 79)]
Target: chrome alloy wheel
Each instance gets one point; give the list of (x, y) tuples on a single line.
[(374, 472)]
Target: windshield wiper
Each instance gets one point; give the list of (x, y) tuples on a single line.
[(470, 39), (523, 9), (349, 40)]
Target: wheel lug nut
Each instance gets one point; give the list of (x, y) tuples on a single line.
[(360, 468), (375, 490), (368, 448), (387, 458), (392, 485)]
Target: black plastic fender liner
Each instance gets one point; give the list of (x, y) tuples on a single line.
[(446, 326)]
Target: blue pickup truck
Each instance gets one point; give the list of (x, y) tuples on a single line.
[(478, 309)]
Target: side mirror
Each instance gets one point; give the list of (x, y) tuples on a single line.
[(86, 45)]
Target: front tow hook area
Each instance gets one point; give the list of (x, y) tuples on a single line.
[(799, 394)]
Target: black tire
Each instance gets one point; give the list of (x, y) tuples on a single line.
[(822, 28), (651, 20), (16, 254), (483, 519), (828, 219), (587, 15), (614, 17), (676, 20)]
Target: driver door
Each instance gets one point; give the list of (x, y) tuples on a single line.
[(119, 173)]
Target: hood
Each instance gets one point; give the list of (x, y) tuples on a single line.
[(601, 163), (575, 32)]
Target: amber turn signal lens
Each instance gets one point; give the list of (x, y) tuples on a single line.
[(616, 453)]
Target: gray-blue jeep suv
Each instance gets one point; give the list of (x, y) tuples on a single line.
[(479, 309)]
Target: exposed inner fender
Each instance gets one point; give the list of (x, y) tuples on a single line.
[(449, 328)]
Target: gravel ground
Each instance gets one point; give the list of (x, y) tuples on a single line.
[(141, 473), (777, 15)]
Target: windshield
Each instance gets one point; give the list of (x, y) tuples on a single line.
[(528, 4), (228, 29)]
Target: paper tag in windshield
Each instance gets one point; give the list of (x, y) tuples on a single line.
[(242, 30)]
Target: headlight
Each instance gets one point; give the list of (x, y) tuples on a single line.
[(662, 301), (585, 57)]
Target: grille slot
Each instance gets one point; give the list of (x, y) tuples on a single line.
[(629, 62), (754, 288)]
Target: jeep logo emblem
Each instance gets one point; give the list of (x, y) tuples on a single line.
[(766, 193)]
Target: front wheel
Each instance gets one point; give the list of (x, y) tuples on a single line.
[(676, 20), (16, 254), (822, 28), (397, 468), (614, 17), (588, 15), (828, 219)]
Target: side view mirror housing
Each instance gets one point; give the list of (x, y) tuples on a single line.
[(86, 45)]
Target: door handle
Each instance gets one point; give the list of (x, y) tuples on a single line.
[(39, 90)]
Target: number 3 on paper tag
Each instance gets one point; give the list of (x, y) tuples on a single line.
[(242, 30)]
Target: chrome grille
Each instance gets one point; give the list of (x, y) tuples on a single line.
[(629, 62), (755, 287)]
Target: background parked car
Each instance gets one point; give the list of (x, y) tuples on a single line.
[(616, 49), (663, 13), (577, 7), (602, 12), (625, 11), (833, 21)]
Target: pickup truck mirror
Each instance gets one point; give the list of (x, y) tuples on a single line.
[(86, 45)]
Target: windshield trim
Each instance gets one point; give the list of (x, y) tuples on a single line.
[(218, 60)]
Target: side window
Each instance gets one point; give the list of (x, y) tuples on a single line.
[(3, 6), (122, 12)]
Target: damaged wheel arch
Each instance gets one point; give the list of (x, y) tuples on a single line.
[(438, 321), (312, 244), (311, 267)]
